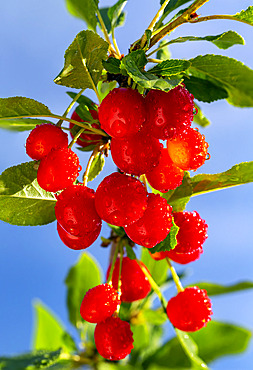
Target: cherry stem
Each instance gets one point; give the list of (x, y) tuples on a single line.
[(72, 103), (115, 247), (183, 18), (76, 137), (95, 152), (120, 271), (175, 276), (144, 181), (218, 16), (153, 22), (154, 286), (104, 30)]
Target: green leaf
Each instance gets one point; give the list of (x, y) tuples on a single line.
[(21, 124), (170, 67), (22, 201), (83, 100), (204, 90), (217, 289), (223, 41), (230, 74), (88, 148), (83, 61), (163, 53), (199, 118), (81, 277), (157, 269), (105, 87), (246, 15), (191, 350), (237, 175), (112, 65), (138, 57), (145, 79), (174, 4), (169, 242), (84, 113), (130, 252), (141, 336), (49, 333), (155, 317), (219, 339), (118, 230), (19, 107), (118, 20), (115, 14), (85, 9), (179, 197), (30, 361), (96, 166)]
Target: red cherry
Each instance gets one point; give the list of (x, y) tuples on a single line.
[(190, 310), (154, 225), (77, 242), (188, 150), (184, 258), (134, 283), (75, 210), (120, 199), (113, 338), (85, 140), (166, 176), (168, 112), (192, 232), (137, 154), (58, 169), (99, 303), (43, 138), (122, 112)]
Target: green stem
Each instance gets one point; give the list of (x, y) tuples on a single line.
[(56, 116), (115, 43), (115, 255), (175, 276), (152, 60), (104, 30), (183, 18), (72, 103), (154, 286), (120, 268), (219, 16), (153, 22), (76, 137)]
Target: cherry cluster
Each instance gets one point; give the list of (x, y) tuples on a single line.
[(137, 128)]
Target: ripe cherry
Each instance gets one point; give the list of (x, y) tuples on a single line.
[(43, 138), (99, 303), (137, 154), (166, 176), (188, 150), (122, 112), (113, 338), (75, 210), (190, 310), (168, 112), (184, 258), (58, 169), (85, 140), (134, 283), (77, 242), (154, 225), (120, 199)]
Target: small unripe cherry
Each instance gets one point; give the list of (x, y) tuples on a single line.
[(77, 242), (188, 150), (99, 303), (58, 170), (84, 139), (168, 112), (76, 212), (122, 112), (166, 176), (154, 225), (120, 199), (113, 338), (137, 154), (134, 283), (43, 138), (190, 310)]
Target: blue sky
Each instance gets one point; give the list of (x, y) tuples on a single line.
[(34, 36)]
